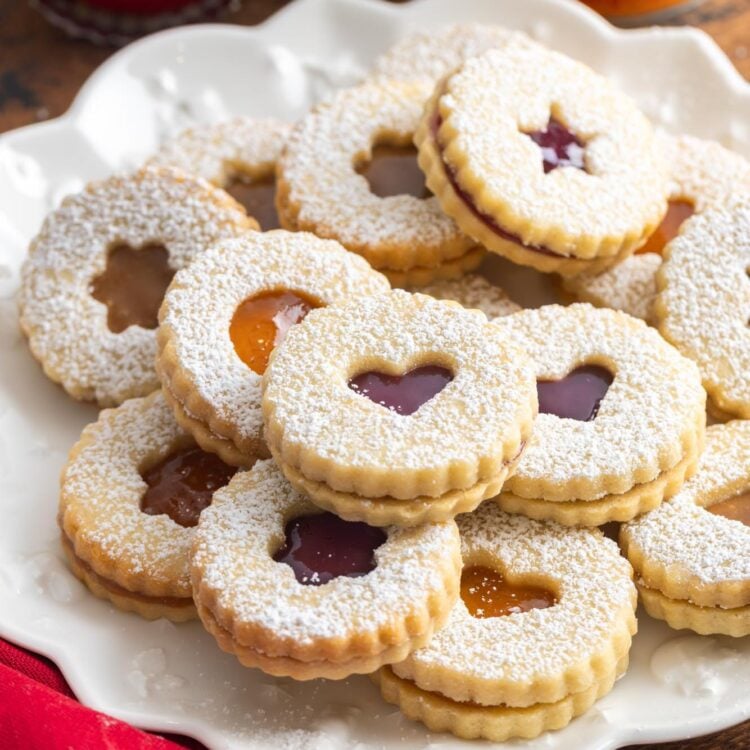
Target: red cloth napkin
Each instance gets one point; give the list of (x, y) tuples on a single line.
[(38, 711)]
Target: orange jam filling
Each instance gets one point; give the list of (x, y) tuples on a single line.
[(737, 508), (487, 594), (393, 170), (182, 485), (133, 285), (677, 212), (261, 322), (258, 198)]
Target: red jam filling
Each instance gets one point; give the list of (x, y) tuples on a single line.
[(261, 322), (183, 484), (393, 170), (737, 508), (133, 285), (487, 594), (559, 147), (258, 198), (321, 547), (405, 393), (577, 396), (677, 212)]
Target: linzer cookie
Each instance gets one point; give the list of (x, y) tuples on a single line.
[(349, 173), (299, 592), (692, 555), (131, 494), (97, 271), (703, 302), (621, 417), (431, 55), (222, 318), (702, 174), (238, 155), (472, 291), (541, 160), (398, 409), (542, 629)]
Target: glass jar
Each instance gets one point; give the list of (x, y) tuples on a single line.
[(640, 12)]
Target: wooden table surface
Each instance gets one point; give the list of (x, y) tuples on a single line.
[(41, 70)]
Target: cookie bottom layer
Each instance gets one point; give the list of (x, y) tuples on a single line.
[(449, 269), (282, 666), (176, 609), (495, 723), (641, 499), (681, 614)]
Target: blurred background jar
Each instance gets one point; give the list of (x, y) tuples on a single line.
[(640, 12)]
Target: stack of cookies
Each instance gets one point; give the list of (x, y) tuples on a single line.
[(341, 477)]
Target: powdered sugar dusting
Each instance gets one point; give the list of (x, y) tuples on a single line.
[(593, 587), (649, 411), (705, 297), (682, 538), (325, 194), (242, 147), (66, 326), (473, 291), (101, 493), (233, 566), (199, 306)]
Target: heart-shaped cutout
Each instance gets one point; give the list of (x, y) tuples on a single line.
[(737, 508), (487, 594), (577, 395), (405, 393), (321, 547)]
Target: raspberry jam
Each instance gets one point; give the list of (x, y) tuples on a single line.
[(577, 395), (321, 547), (260, 324), (183, 484), (258, 199), (487, 594), (133, 285), (393, 170), (403, 394), (559, 147), (677, 212), (737, 508)]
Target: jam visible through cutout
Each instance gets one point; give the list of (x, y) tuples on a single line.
[(183, 484), (258, 199), (737, 508), (487, 594), (577, 396), (559, 147), (393, 170), (321, 547), (133, 285), (260, 324), (403, 394), (677, 212)]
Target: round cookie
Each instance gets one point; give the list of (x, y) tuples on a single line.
[(237, 155), (299, 592), (430, 55), (96, 273), (398, 409), (472, 291), (702, 174), (222, 317), (542, 629), (541, 160), (621, 417), (692, 555), (326, 185), (703, 301), (130, 496)]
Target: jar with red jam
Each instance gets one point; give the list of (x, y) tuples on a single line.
[(639, 12)]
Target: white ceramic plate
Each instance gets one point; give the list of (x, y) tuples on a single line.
[(167, 677)]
